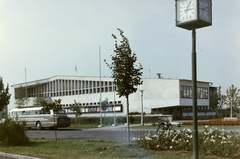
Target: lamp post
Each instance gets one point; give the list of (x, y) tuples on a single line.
[(231, 106), (142, 107), (115, 124)]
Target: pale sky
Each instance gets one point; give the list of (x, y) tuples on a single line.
[(50, 37)]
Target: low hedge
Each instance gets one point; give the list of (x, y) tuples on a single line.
[(119, 120), (96, 120)]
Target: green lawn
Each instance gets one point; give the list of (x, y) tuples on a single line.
[(74, 149)]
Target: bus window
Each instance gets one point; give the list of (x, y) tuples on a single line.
[(44, 112), (31, 112), (60, 112), (38, 112), (23, 113)]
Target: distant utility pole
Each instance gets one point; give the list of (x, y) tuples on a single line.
[(76, 70)]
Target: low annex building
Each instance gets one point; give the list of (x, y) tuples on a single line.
[(160, 96)]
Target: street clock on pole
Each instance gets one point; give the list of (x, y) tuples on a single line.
[(193, 14)]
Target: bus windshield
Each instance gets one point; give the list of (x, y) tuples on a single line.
[(60, 112)]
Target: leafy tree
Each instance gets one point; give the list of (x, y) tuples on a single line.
[(104, 105), (232, 99), (126, 74), (4, 95), (76, 107), (20, 97), (218, 99), (55, 106)]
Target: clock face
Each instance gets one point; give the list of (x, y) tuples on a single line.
[(186, 10), (204, 10), (193, 14)]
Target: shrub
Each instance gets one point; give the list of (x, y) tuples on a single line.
[(225, 144), (12, 133)]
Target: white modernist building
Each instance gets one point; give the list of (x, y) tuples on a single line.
[(160, 96)]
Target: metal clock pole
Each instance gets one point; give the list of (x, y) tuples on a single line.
[(194, 95), (192, 15)]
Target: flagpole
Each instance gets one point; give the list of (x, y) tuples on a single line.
[(100, 85), (26, 86), (76, 70)]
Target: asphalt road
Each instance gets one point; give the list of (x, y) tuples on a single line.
[(81, 134)]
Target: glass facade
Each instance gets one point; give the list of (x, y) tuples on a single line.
[(186, 92)]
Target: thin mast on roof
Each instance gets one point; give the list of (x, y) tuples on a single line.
[(26, 86)]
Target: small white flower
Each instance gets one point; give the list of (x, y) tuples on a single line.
[(171, 147), (206, 126)]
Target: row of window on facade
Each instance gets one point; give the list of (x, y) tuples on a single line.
[(186, 92), (189, 109), (92, 109), (60, 90), (200, 108), (92, 104), (62, 85)]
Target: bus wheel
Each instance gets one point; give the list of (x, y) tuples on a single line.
[(39, 126)]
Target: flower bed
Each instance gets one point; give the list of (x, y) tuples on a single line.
[(214, 122), (225, 144)]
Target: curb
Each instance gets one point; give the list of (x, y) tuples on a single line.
[(3, 154)]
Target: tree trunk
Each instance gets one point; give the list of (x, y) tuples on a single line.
[(55, 128), (76, 121), (128, 131)]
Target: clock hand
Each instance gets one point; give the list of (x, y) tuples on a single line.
[(187, 6)]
